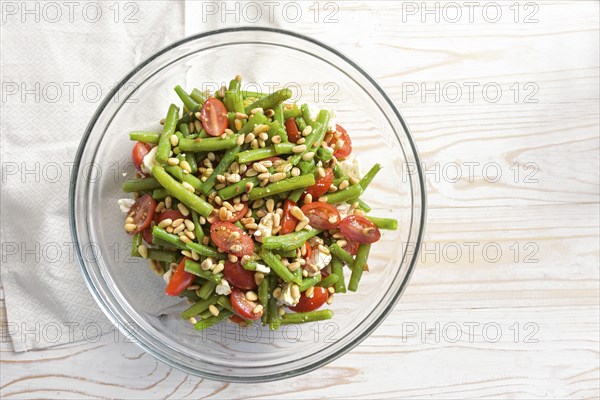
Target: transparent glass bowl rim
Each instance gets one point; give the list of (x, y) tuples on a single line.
[(284, 374)]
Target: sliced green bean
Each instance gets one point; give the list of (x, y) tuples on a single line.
[(207, 323), (306, 167), (194, 268), (291, 112), (224, 164), (362, 254), (225, 303), (206, 290), (310, 282), (276, 265), (361, 204), (329, 281), (199, 307), (263, 297), (162, 255), (306, 113), (354, 191), (178, 173), (179, 191), (290, 241), (300, 318), (184, 129), (337, 268), (341, 254), (145, 137), (164, 144), (205, 315), (300, 123), (187, 100), (209, 144), (237, 188), (136, 241), (384, 223), (206, 251), (285, 253), (285, 185), (273, 307), (140, 185), (198, 228), (278, 116), (161, 234), (198, 96), (270, 100), (159, 194), (249, 93)]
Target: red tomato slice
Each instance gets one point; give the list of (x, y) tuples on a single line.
[(322, 215), (309, 252), (236, 319), (237, 215), (180, 280), (214, 117), (351, 247), (288, 222), (359, 229), (220, 233), (242, 306), (321, 186), (319, 297), (292, 130), (237, 276), (172, 215), (142, 212), (147, 235), (346, 149), (138, 153)]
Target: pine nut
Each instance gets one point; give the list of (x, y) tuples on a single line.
[(213, 310), (299, 149), (173, 161), (250, 295), (143, 250), (174, 140), (130, 227), (165, 222), (183, 210)]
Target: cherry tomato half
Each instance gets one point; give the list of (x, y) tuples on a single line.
[(147, 234), (180, 280), (351, 246), (319, 297), (142, 212), (220, 233), (321, 186), (138, 153), (237, 215), (288, 221), (214, 117), (292, 130), (346, 149), (359, 229), (242, 306), (322, 215), (238, 277)]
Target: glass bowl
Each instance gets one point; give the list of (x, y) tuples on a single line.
[(132, 296)]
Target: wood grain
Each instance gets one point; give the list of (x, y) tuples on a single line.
[(524, 324)]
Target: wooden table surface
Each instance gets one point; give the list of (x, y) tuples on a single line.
[(505, 300)]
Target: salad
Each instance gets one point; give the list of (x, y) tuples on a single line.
[(245, 205)]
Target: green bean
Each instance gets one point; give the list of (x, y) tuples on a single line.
[(270, 100), (263, 297), (306, 113), (273, 307), (193, 267), (145, 137), (198, 228), (207, 323), (306, 167), (250, 265), (286, 185), (136, 241), (161, 234), (206, 290), (365, 181), (162, 255), (178, 173), (277, 129), (354, 191), (361, 204), (329, 281), (198, 96), (313, 139), (384, 223), (191, 294), (266, 152), (337, 268), (338, 172), (324, 154), (199, 307), (278, 116), (181, 193), (290, 241), (276, 265), (205, 315), (300, 123), (291, 112), (237, 188), (164, 144), (185, 131), (159, 194), (341, 254), (225, 303), (310, 282), (358, 267), (285, 253), (187, 100), (248, 93), (206, 251), (209, 144), (228, 101), (224, 164), (140, 185), (300, 318)]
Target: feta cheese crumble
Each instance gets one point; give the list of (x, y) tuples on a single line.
[(125, 204), (223, 288), (287, 298), (149, 161)]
